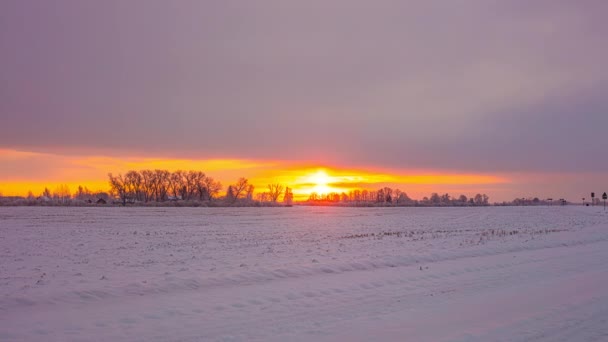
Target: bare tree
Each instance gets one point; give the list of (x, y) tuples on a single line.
[(62, 192), (83, 193), (404, 198), (196, 184), (213, 187), (118, 187), (435, 199), (344, 198), (313, 196), (262, 197), (397, 196), (249, 192), (240, 188), (230, 196), (133, 182), (365, 195), (147, 177), (356, 195), (380, 196), (288, 198), (388, 195), (275, 191), (481, 199), (175, 183), (161, 184)]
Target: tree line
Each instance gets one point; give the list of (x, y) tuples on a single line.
[(387, 196), (195, 188), (162, 185)]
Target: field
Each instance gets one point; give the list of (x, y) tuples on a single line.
[(303, 274)]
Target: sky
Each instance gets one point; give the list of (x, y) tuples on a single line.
[(502, 97)]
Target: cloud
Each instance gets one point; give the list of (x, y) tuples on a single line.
[(464, 86)]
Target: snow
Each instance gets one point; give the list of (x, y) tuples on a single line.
[(304, 273)]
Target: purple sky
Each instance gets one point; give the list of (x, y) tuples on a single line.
[(473, 86)]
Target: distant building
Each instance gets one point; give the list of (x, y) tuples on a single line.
[(101, 201)]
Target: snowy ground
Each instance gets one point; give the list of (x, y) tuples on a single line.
[(301, 274)]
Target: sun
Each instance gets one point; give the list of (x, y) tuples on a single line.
[(320, 179)]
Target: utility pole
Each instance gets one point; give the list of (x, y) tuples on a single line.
[(604, 197), (592, 199)]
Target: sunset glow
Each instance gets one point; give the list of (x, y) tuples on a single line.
[(320, 181), (40, 170)]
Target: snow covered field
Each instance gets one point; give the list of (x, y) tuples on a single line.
[(304, 274)]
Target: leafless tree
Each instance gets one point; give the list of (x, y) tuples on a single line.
[(175, 183), (133, 182), (83, 193), (62, 192), (275, 191), (195, 184), (239, 188), (262, 197), (249, 192), (148, 184), (213, 187), (161, 184), (288, 198), (230, 196), (118, 187)]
